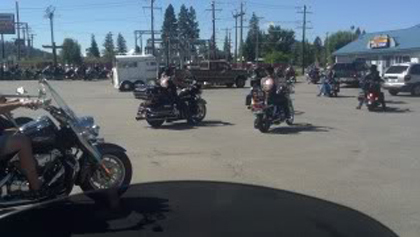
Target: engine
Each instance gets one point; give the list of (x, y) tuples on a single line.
[(47, 168)]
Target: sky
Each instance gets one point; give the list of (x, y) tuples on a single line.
[(79, 19)]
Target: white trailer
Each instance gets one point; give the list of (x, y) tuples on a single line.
[(131, 70)]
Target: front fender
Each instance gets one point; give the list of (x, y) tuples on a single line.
[(109, 146), (200, 100)]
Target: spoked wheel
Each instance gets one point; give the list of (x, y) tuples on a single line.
[(416, 91), (115, 171)]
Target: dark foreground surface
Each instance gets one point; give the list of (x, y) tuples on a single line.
[(188, 208)]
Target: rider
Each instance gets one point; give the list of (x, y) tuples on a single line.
[(170, 83), (271, 84), (371, 83), (12, 142)]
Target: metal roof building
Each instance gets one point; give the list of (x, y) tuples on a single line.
[(383, 48)]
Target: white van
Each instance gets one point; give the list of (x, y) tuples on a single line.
[(131, 70)]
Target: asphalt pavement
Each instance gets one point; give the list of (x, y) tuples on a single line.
[(364, 160)]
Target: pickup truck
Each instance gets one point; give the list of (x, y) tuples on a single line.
[(217, 73)]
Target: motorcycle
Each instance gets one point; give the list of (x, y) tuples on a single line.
[(157, 108), (314, 76), (67, 151), (267, 115)]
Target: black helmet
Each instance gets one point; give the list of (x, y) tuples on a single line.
[(373, 68)]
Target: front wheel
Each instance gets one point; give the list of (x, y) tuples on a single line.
[(240, 82), (261, 124), (199, 113), (416, 91), (115, 171)]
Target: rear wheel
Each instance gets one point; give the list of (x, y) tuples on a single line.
[(416, 90), (240, 82), (393, 92), (126, 86), (291, 118), (155, 123), (229, 85)]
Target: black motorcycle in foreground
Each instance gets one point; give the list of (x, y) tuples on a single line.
[(158, 108), (68, 152), (269, 114)]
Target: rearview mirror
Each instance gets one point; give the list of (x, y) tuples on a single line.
[(21, 91)]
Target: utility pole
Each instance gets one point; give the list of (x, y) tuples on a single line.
[(49, 13), (213, 39), (230, 43), (236, 36), (304, 28), (327, 48), (3, 54), (152, 8), (18, 30), (241, 48)]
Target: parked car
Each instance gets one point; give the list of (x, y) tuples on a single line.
[(403, 78), (218, 72), (350, 73)]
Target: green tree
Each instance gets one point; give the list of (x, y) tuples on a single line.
[(109, 48), (358, 32), (93, 51), (71, 52), (278, 39), (194, 28), (121, 44), (338, 40), (183, 32), (137, 49), (170, 31), (363, 32), (276, 57), (251, 39)]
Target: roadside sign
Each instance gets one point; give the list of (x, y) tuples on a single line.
[(7, 24)]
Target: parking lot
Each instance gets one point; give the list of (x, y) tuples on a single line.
[(365, 160)]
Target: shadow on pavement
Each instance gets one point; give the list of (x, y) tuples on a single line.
[(395, 102), (297, 113), (299, 128), (189, 209), (186, 126), (345, 96)]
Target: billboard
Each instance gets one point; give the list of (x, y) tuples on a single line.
[(380, 42), (7, 24)]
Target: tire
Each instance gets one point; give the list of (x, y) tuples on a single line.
[(393, 92), (240, 82), (261, 124), (155, 123), (200, 114), (119, 157), (126, 86), (229, 85), (415, 91)]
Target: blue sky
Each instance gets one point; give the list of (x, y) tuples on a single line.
[(78, 19)]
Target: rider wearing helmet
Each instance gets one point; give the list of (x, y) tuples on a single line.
[(371, 82), (272, 86)]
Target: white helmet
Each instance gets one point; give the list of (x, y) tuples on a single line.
[(268, 84)]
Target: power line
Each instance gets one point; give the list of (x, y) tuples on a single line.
[(304, 28), (213, 11), (152, 8)]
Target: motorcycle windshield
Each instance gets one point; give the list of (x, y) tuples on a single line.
[(74, 120)]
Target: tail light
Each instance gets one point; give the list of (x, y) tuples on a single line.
[(407, 78)]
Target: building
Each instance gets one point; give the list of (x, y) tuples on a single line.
[(383, 48)]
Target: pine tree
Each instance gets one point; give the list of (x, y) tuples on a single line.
[(109, 48), (251, 40), (94, 50), (71, 52), (183, 31), (358, 32), (137, 50), (170, 31), (226, 49), (318, 49), (121, 44), (194, 27)]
